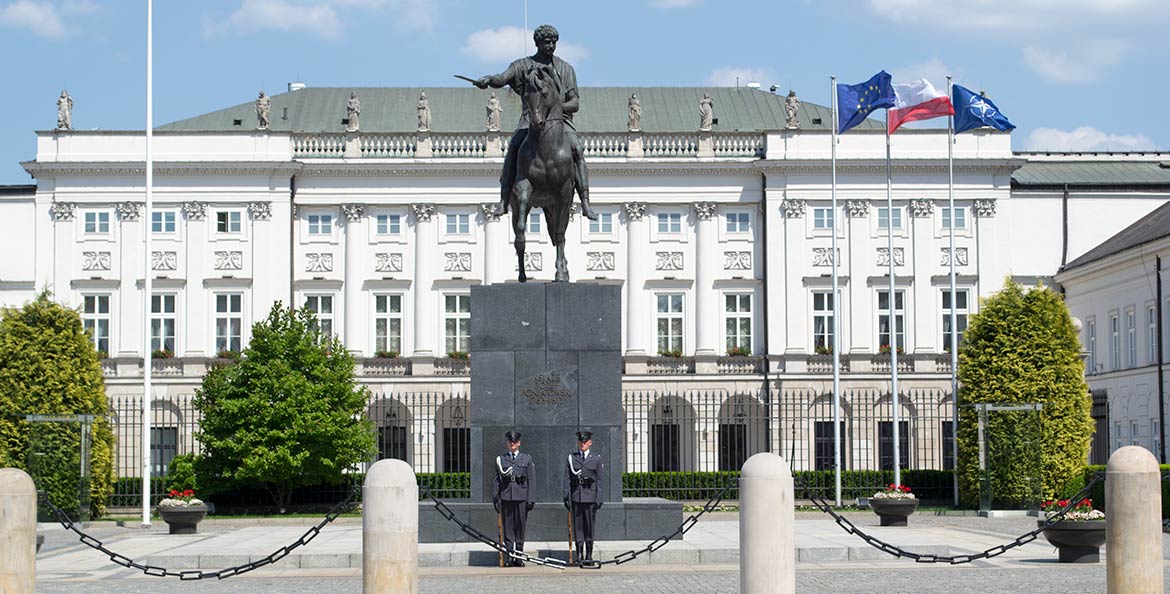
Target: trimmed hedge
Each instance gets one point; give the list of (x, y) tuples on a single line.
[(1097, 494), (691, 486)]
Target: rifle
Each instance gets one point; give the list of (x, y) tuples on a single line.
[(500, 525), (569, 513)]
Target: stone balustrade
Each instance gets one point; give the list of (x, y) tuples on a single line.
[(480, 145)]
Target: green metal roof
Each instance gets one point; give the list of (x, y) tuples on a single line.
[(455, 109), (1091, 172)]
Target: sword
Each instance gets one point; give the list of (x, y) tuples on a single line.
[(470, 80)]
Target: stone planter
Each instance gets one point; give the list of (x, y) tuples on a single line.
[(893, 512), (183, 520), (1077, 542)]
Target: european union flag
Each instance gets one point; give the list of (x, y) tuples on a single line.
[(973, 110), (856, 102)]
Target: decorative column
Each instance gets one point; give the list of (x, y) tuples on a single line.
[(129, 332), (796, 305), (426, 325), (198, 265), (493, 262), (706, 308), (637, 315), (927, 327), (353, 278), (859, 338)]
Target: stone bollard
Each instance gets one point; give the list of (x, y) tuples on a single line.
[(1133, 522), (390, 529), (767, 553), (18, 532)]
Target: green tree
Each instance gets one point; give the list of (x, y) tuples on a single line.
[(1022, 347), (48, 366), (287, 414)]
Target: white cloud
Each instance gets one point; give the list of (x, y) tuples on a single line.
[(1015, 15), (1086, 139), (322, 18), (1086, 63), (933, 70), (492, 46), (260, 15), (40, 18), (674, 3), (727, 76)]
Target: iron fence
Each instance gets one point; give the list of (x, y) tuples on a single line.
[(678, 445)]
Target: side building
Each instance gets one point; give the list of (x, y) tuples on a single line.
[(1121, 293), (720, 240)]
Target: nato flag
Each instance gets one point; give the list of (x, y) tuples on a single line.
[(973, 110), (856, 102)]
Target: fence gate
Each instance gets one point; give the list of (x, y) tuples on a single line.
[(58, 462), (1009, 450)]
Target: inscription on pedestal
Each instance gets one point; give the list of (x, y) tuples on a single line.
[(545, 388)]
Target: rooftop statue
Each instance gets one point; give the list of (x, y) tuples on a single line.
[(353, 109), (65, 111), (263, 106), (635, 122)]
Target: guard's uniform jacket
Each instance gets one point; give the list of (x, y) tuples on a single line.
[(584, 491), (514, 491)]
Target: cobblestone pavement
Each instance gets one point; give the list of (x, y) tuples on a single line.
[(1041, 578)]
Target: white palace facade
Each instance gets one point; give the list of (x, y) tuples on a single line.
[(720, 240)]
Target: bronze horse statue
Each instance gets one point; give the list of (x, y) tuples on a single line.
[(545, 172)]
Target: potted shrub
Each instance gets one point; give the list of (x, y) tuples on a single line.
[(182, 511), (738, 351), (673, 354), (161, 354), (386, 354), (461, 355), (885, 350), (825, 349), (894, 504), (1077, 536)]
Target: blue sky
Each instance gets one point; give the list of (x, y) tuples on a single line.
[(1072, 74)]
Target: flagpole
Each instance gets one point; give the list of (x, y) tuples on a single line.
[(892, 305), (835, 307), (146, 284), (954, 317)]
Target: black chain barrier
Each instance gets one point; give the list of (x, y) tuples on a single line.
[(618, 559), (995, 551), (198, 574)]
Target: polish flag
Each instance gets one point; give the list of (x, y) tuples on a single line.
[(917, 100)]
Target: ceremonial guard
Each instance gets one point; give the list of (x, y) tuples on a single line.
[(514, 494), (584, 493)]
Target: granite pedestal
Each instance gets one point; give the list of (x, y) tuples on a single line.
[(546, 361)]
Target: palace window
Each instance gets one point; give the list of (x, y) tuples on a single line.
[(534, 222), (959, 220), (95, 317), (603, 224), (669, 314), (886, 444), (227, 221), (669, 222), (884, 319), (387, 323), (162, 221), (229, 322), (739, 222), (822, 218), (886, 221), (1131, 337), (322, 308), (961, 312), (1151, 335), (97, 222), (737, 310), (1114, 342), (822, 319), (162, 322), (457, 322), (321, 224), (458, 224), (388, 224)]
